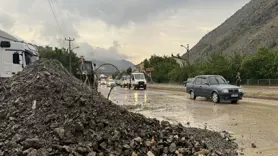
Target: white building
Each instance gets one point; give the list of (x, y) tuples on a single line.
[(180, 62)]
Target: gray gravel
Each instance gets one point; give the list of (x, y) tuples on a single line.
[(46, 111)]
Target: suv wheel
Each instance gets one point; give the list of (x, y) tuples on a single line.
[(215, 97), (192, 95)]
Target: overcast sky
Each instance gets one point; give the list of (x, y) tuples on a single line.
[(128, 29)]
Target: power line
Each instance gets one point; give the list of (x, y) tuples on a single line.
[(56, 7), (55, 16)]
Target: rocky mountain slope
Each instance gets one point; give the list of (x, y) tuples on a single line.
[(254, 25)]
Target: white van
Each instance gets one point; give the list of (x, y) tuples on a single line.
[(138, 81)]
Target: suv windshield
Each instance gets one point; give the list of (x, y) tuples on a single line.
[(139, 76), (213, 80)]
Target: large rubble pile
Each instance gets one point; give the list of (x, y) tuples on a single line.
[(46, 111)]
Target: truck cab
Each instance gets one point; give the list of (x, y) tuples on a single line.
[(86, 72), (138, 80), (14, 56)]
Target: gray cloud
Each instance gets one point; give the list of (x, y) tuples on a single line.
[(37, 15), (122, 12), (101, 53), (7, 21)]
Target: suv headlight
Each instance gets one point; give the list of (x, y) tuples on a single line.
[(240, 90), (225, 91)]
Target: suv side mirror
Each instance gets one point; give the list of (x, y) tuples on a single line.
[(228, 81), (207, 83)]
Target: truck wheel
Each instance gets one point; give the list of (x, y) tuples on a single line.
[(234, 101), (145, 87), (192, 95), (215, 97)]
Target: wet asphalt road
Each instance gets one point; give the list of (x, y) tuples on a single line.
[(251, 120)]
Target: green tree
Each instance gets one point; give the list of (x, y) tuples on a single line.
[(146, 63), (261, 65), (129, 71), (163, 66), (61, 55)]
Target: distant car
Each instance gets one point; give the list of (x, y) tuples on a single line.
[(110, 83), (118, 82), (103, 82), (214, 87), (125, 81)]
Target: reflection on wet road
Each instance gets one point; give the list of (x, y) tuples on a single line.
[(251, 121)]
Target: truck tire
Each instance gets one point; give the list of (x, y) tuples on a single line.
[(192, 95), (215, 97), (145, 87)]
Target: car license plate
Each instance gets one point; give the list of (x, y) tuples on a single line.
[(234, 95)]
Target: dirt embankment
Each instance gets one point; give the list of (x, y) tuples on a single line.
[(45, 111)]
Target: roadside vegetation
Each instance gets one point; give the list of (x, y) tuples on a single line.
[(62, 55), (261, 65)]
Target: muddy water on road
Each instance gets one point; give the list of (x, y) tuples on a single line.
[(251, 121)]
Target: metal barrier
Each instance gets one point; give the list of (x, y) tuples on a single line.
[(261, 82)]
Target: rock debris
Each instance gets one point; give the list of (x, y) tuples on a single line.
[(45, 111)]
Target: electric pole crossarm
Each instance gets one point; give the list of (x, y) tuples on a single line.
[(69, 40)]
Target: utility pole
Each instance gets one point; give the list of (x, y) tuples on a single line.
[(187, 53), (69, 40)]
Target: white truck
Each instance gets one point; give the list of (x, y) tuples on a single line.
[(15, 55), (138, 80)]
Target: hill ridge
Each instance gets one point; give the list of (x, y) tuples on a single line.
[(254, 25)]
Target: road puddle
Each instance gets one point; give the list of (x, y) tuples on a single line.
[(251, 121)]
